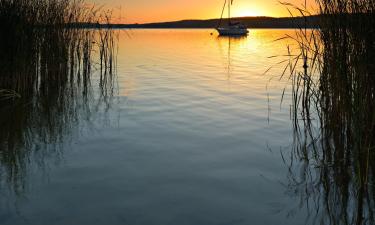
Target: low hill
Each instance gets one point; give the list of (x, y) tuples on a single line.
[(250, 22)]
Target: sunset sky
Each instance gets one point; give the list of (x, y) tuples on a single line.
[(144, 11)]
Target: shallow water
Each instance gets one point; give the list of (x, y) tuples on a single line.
[(194, 135)]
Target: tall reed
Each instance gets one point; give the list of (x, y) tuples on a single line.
[(48, 65), (333, 115)]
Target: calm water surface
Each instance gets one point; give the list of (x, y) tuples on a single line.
[(194, 135)]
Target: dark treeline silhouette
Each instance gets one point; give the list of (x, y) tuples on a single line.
[(251, 22), (333, 161)]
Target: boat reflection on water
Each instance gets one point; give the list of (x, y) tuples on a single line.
[(229, 45)]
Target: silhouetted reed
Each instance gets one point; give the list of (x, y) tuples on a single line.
[(332, 164), (48, 63)]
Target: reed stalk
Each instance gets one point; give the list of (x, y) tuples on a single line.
[(49, 62), (333, 114)]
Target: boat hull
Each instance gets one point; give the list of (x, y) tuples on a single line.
[(232, 31)]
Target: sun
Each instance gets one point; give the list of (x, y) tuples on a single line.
[(247, 8), (246, 12)]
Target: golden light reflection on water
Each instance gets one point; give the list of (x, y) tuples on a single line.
[(194, 121), (201, 57)]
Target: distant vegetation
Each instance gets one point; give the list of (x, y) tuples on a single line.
[(251, 22), (333, 114)]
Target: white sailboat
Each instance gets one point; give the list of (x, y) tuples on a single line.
[(232, 28)]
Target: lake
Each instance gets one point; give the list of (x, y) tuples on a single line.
[(195, 133)]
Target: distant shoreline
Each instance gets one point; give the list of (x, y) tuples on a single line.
[(250, 22)]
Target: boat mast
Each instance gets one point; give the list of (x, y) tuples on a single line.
[(229, 3)]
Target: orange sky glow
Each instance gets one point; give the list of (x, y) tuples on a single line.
[(145, 11)]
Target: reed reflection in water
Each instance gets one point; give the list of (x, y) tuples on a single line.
[(52, 80), (192, 136), (332, 164), (191, 143)]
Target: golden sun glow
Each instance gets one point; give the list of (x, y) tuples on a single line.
[(245, 8), (145, 11), (247, 12)]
